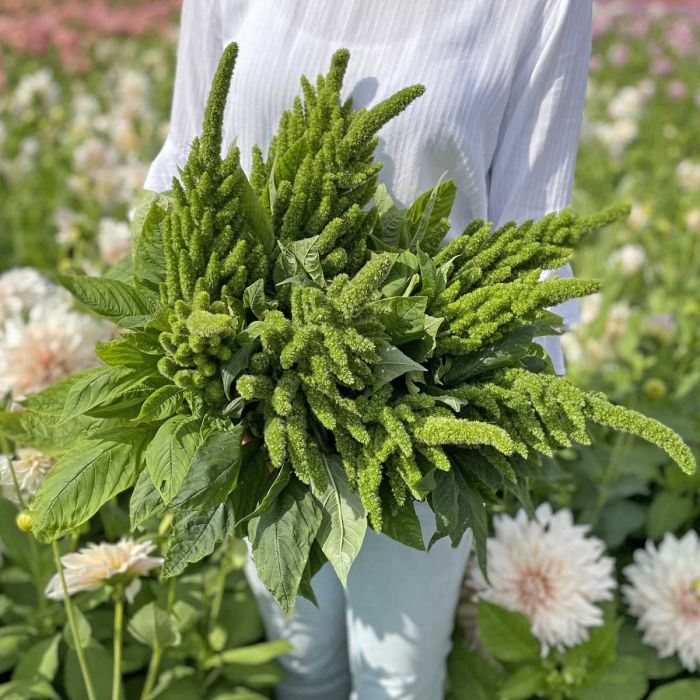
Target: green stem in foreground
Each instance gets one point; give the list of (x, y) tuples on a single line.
[(152, 675), (70, 614), (118, 627)]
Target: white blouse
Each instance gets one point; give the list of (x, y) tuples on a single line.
[(505, 85)]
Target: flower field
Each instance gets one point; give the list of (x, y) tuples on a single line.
[(593, 589)]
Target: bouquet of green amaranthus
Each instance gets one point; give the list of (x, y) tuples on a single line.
[(301, 358)]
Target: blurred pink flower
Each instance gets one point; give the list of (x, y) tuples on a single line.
[(661, 65), (681, 38), (596, 63), (677, 90), (619, 54)]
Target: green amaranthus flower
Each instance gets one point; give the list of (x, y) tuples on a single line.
[(369, 366)]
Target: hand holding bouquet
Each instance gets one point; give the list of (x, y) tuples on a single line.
[(370, 366)]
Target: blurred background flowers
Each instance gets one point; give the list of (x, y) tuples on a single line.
[(84, 99)]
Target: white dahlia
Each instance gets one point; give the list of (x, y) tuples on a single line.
[(30, 467), (96, 565), (50, 343), (549, 570), (23, 287), (664, 595), (113, 239)]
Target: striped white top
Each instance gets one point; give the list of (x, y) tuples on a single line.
[(505, 84)]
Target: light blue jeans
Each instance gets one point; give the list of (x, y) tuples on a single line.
[(386, 636)]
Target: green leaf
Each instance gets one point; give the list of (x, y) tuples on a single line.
[(148, 254), (281, 542), (85, 478), (403, 525), (687, 689), (526, 682), (667, 513), (83, 629), (403, 318), (98, 387), (194, 535), (393, 229), (471, 676), (145, 502), (257, 487), (254, 298), (40, 659), (619, 520), (286, 167), (153, 626), (37, 689), (433, 279), (255, 214), (214, 471), (236, 365), (343, 519), (624, 679), (122, 270), (427, 211), (299, 259), (170, 453), (392, 364), (457, 506), (253, 654), (161, 404), (114, 300), (506, 634), (631, 644), (134, 349), (100, 663)]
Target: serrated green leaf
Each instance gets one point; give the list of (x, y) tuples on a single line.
[(169, 454), (111, 299), (161, 404), (194, 535), (427, 211), (145, 502), (214, 471), (258, 487), (98, 387), (624, 679), (153, 626), (148, 254), (506, 634), (526, 682), (281, 542), (343, 519), (85, 478)]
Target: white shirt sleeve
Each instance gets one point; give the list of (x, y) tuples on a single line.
[(199, 49), (533, 166)]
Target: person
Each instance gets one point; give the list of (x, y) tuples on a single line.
[(505, 84)]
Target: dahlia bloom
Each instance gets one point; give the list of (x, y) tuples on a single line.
[(30, 467), (50, 343), (96, 565), (664, 595), (23, 287), (549, 570), (113, 239)]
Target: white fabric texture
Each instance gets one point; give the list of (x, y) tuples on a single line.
[(505, 83)]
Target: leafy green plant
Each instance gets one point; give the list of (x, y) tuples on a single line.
[(376, 367)]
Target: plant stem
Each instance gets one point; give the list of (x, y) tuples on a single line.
[(152, 675), (118, 625), (70, 614)]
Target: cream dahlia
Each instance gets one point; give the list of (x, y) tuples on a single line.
[(664, 595), (549, 570), (23, 287), (96, 565), (51, 342), (30, 467), (113, 239)]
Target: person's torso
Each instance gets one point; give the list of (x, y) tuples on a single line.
[(464, 51)]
